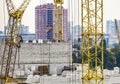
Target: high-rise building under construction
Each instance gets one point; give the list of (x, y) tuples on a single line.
[(44, 16)]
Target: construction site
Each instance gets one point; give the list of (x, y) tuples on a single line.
[(52, 55)]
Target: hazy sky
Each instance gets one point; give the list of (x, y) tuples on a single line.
[(111, 11)]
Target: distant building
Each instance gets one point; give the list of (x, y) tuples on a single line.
[(24, 29), (25, 37), (110, 27), (49, 20), (28, 37), (106, 37), (44, 18), (70, 26), (1, 32), (2, 38), (111, 30), (75, 33), (65, 25)]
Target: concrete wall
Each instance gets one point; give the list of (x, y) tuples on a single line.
[(55, 54)]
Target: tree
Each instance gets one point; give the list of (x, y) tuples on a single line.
[(109, 58), (116, 51), (74, 57), (104, 43)]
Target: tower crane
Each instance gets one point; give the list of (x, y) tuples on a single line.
[(58, 20), (92, 35), (12, 40)]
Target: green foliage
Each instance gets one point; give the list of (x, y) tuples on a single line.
[(116, 52), (74, 57), (104, 43), (109, 60), (110, 57)]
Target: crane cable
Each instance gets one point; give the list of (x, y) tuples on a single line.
[(40, 42), (4, 19), (42, 53), (18, 58), (4, 24), (43, 79), (1, 44), (75, 34), (78, 49), (71, 6), (69, 59), (4, 12)]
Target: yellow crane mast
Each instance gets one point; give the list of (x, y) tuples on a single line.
[(12, 40), (58, 20), (92, 42)]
